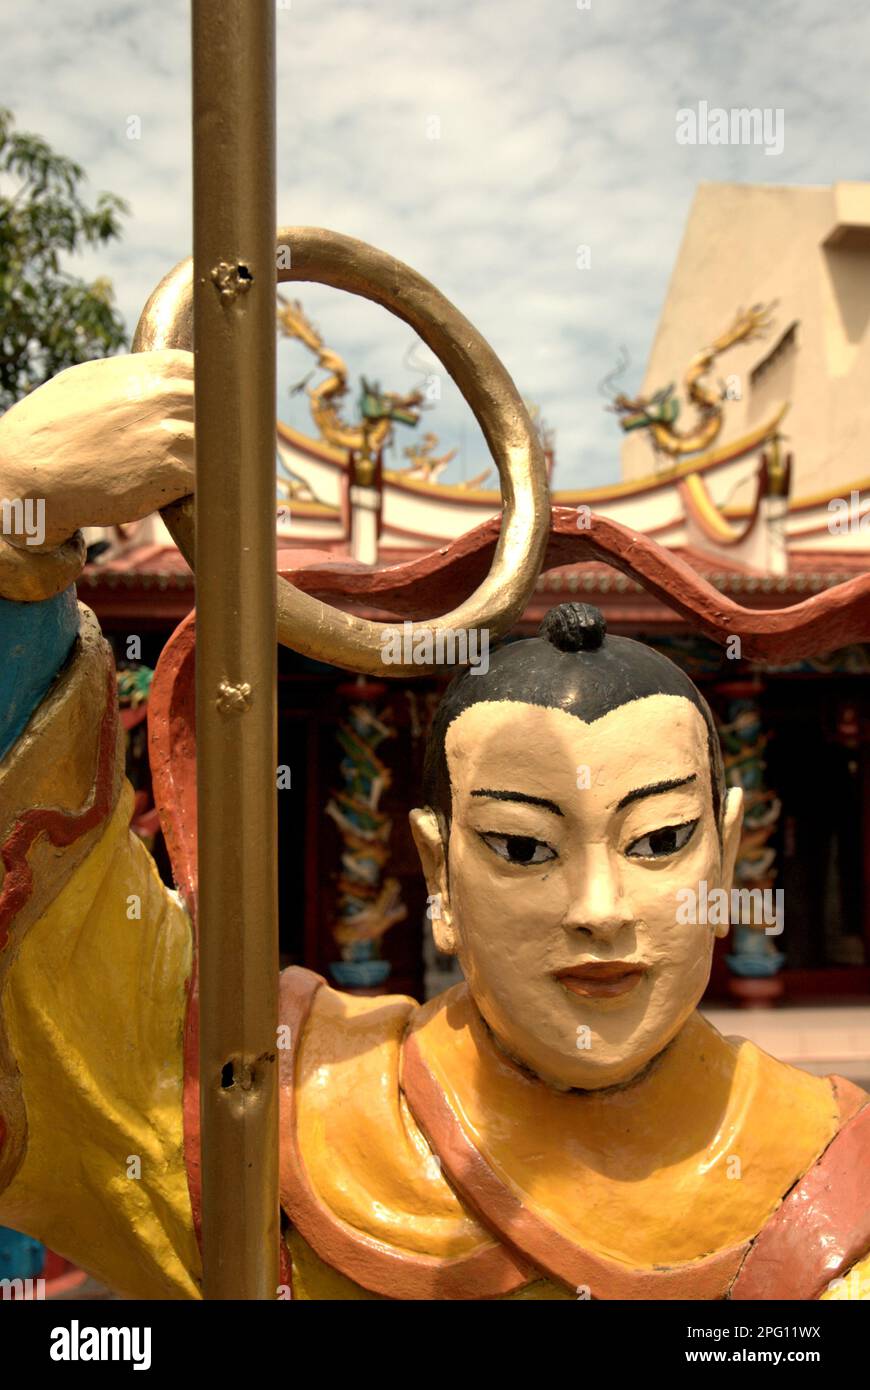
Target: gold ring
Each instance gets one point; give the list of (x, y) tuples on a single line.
[(304, 623)]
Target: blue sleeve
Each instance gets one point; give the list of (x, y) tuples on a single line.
[(35, 641)]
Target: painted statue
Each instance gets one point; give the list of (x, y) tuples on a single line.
[(563, 1124)]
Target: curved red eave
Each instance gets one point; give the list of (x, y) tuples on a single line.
[(439, 580), (435, 583)]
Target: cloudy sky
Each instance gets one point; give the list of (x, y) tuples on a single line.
[(557, 131)]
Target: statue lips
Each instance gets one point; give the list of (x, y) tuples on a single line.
[(604, 979)]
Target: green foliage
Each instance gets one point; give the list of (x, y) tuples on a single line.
[(49, 319)]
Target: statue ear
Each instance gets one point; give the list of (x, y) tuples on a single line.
[(432, 849), (732, 826)]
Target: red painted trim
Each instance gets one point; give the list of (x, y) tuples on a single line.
[(172, 755), (62, 828), (63, 1284), (820, 529), (172, 751), (430, 539), (427, 537), (821, 1228), (434, 583), (487, 1273), (865, 813), (502, 1209)]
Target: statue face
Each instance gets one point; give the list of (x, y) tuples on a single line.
[(569, 844)]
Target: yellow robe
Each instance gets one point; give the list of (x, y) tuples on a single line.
[(408, 1140)]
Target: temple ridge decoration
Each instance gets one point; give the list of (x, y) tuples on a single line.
[(378, 410), (659, 412), (427, 466)]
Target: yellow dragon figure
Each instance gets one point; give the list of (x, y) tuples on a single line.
[(424, 462), (659, 412), (379, 410), (427, 466)]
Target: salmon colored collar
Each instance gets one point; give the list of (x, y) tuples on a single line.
[(680, 1168)]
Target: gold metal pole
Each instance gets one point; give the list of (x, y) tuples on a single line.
[(234, 345)]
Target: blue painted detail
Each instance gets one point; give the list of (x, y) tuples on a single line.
[(755, 957), (361, 966), (35, 640), (364, 974), (20, 1257)]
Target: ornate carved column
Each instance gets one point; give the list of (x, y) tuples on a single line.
[(369, 904), (755, 959)]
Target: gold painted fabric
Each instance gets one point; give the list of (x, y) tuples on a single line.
[(94, 1007)]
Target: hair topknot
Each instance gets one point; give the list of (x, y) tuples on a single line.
[(574, 627), (570, 667)]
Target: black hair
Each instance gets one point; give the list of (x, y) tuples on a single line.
[(571, 666)]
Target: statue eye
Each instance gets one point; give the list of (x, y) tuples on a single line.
[(661, 843), (518, 849)]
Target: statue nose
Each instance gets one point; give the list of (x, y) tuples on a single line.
[(598, 924), (598, 905)]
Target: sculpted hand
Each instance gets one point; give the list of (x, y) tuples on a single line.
[(100, 444)]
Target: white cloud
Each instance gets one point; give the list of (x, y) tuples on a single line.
[(557, 128)]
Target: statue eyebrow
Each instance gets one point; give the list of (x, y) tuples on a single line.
[(520, 796), (654, 789)]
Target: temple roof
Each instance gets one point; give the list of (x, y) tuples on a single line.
[(119, 582)]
